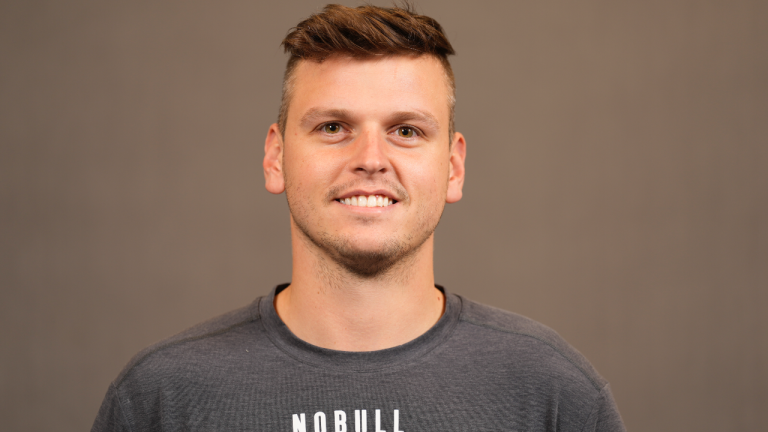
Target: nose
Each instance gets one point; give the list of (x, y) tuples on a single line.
[(370, 155)]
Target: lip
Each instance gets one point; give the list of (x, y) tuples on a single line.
[(366, 210), (359, 192)]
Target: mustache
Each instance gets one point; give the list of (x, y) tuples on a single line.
[(398, 191)]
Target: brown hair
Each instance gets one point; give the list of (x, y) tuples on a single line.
[(363, 32)]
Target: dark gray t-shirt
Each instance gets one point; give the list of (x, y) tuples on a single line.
[(478, 369)]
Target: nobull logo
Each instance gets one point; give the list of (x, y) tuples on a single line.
[(320, 422)]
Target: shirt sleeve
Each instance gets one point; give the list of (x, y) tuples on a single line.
[(111, 416), (605, 415)]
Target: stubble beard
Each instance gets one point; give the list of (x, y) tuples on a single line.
[(385, 261)]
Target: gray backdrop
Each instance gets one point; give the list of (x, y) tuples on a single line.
[(616, 189)]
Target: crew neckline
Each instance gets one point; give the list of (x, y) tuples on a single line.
[(364, 361)]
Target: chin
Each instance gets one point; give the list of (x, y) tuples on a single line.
[(365, 256), (362, 257), (366, 261)]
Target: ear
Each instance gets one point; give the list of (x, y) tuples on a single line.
[(273, 161), (456, 176)]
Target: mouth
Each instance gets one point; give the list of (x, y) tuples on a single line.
[(367, 200)]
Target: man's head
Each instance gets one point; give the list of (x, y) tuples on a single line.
[(363, 122), (362, 32)]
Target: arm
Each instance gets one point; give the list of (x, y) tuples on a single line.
[(605, 415), (111, 416)]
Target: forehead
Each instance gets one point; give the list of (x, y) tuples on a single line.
[(370, 85)]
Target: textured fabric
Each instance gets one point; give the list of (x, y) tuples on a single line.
[(478, 369)]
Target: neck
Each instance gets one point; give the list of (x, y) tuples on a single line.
[(328, 306)]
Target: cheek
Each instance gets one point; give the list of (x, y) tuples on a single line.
[(295, 176), (310, 174), (428, 180), (297, 163)]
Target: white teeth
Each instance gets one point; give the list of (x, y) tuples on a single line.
[(367, 201)]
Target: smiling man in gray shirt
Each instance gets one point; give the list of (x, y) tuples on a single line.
[(362, 339)]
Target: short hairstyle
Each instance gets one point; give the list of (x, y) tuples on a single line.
[(363, 32)]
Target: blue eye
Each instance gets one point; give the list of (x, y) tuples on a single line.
[(332, 128), (405, 132)]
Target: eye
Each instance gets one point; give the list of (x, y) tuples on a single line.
[(405, 132), (331, 128)]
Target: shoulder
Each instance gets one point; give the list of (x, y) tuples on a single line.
[(198, 338), (187, 363), (525, 338)]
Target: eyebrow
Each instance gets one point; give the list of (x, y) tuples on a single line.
[(422, 116), (314, 114)]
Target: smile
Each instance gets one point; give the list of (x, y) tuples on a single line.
[(367, 201)]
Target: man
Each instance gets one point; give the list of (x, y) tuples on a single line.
[(362, 339)]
